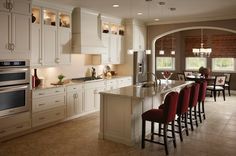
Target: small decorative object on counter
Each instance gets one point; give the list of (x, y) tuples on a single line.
[(166, 75), (60, 77), (35, 80), (93, 73)]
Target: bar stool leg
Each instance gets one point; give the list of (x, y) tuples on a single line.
[(186, 122), (223, 94), (152, 130), (143, 133), (173, 132), (195, 114), (165, 138), (180, 128), (203, 110), (199, 111), (191, 119)]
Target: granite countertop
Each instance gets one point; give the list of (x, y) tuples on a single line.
[(75, 82), (142, 92)]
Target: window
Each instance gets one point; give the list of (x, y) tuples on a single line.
[(223, 64), (194, 63), (165, 63)]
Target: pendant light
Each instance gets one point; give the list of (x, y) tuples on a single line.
[(202, 52), (161, 52), (172, 46)]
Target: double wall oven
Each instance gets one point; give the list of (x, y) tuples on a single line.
[(14, 86)]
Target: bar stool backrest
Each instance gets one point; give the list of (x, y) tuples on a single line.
[(170, 106), (183, 102), (194, 95)]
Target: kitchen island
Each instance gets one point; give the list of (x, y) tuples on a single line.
[(121, 109)]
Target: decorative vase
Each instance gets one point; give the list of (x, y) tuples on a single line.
[(36, 79), (33, 18)]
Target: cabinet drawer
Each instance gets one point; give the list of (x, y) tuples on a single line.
[(94, 84), (74, 88), (48, 92), (15, 128), (45, 103), (48, 116), (15, 119), (111, 82)]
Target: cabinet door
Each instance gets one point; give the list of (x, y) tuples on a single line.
[(142, 37), (3, 5), (64, 45), (36, 54), (97, 97), (21, 6), (71, 102), (79, 102), (5, 32), (105, 55), (113, 49), (49, 45), (89, 99), (21, 26)]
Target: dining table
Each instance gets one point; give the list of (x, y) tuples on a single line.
[(197, 78)]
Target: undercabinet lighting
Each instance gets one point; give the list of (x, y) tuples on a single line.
[(172, 52), (139, 13), (115, 5), (148, 52), (156, 19)]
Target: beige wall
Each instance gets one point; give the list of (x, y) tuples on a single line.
[(160, 30)]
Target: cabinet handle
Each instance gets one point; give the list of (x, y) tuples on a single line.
[(41, 118), (41, 104), (41, 93), (40, 60), (19, 127), (12, 46), (3, 131), (57, 60), (58, 114), (57, 101), (57, 91), (10, 6)]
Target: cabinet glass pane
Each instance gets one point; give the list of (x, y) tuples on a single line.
[(64, 20), (105, 28), (114, 29), (121, 30), (36, 15), (49, 17)]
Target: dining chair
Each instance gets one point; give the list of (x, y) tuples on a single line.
[(219, 85), (181, 76), (188, 73), (227, 82), (162, 116)]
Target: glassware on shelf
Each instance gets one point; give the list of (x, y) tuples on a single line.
[(64, 20), (105, 28), (36, 15), (114, 29), (49, 17), (166, 75), (121, 30)]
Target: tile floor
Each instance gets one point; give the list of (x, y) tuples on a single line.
[(216, 136)]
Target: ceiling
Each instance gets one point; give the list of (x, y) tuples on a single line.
[(186, 10)]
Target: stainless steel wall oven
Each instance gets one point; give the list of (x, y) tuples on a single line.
[(14, 86)]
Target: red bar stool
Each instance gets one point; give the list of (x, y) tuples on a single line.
[(161, 116), (201, 100), (182, 110), (193, 103)]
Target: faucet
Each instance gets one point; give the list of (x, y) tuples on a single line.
[(156, 79)]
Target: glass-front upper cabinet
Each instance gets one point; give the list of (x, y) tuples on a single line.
[(105, 28), (64, 20), (49, 17), (115, 29), (36, 15)]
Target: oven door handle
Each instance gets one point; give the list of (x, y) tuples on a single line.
[(13, 70), (13, 88)]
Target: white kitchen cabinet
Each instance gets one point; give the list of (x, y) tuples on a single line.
[(124, 82), (64, 45), (113, 40), (49, 45), (74, 100), (15, 29), (15, 123), (97, 96), (111, 84), (51, 33), (48, 105)]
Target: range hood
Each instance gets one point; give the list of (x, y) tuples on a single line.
[(86, 32)]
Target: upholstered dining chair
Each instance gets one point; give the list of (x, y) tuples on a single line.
[(181, 76), (188, 73), (227, 82), (162, 116), (219, 85), (201, 100)]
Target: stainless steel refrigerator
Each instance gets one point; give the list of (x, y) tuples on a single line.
[(140, 67)]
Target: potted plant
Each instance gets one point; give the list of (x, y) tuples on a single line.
[(60, 77)]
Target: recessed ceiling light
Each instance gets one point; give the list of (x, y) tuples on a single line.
[(139, 13), (115, 5), (156, 19)]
